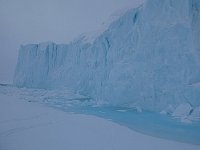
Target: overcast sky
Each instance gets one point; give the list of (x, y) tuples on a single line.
[(34, 21)]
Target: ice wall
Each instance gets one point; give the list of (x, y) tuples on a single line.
[(149, 57)]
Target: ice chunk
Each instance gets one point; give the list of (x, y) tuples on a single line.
[(182, 111), (168, 111), (195, 114), (186, 120), (139, 109)]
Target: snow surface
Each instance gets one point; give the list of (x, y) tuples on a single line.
[(145, 122), (148, 59), (25, 125)]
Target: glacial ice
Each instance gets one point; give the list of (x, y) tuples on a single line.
[(168, 111), (195, 114), (149, 58), (182, 110)]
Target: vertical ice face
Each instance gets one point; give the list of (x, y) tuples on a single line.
[(195, 17), (149, 57), (36, 63)]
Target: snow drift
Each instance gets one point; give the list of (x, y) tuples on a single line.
[(149, 57)]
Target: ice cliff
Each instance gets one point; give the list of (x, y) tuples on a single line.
[(149, 57)]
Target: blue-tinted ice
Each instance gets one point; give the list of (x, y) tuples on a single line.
[(147, 122), (148, 58)]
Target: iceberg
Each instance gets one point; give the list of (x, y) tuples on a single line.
[(149, 58)]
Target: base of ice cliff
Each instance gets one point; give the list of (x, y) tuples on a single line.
[(149, 57)]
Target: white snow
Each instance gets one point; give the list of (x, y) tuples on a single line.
[(31, 126)]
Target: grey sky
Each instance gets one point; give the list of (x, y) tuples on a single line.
[(34, 21)]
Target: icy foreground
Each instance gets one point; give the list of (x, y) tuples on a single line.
[(25, 125), (149, 58), (145, 122)]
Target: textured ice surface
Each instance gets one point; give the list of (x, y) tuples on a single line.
[(149, 58), (145, 122), (182, 110), (168, 111), (195, 115)]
